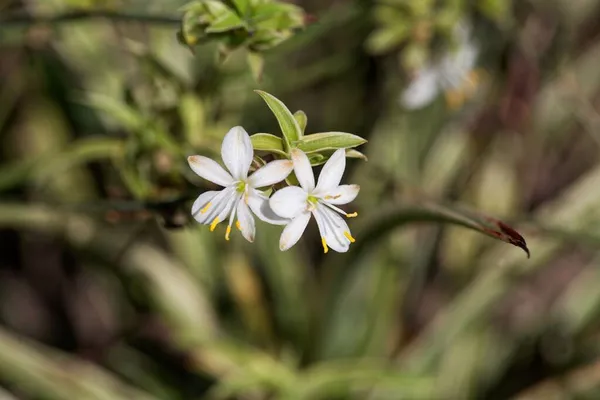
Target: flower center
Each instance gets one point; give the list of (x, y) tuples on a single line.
[(312, 202), (240, 187)]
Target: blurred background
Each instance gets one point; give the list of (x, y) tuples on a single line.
[(110, 290)]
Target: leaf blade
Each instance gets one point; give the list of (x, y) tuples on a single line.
[(288, 124), (268, 142), (317, 142)]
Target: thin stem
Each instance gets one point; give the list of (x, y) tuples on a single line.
[(74, 16)]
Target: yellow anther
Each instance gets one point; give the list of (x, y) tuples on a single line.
[(227, 232), (205, 208), (353, 215), (237, 225), (213, 225), (337, 196), (472, 82), (455, 98), (324, 243), (349, 237)]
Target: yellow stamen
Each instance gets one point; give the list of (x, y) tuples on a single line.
[(324, 243), (227, 232), (337, 196), (353, 215), (205, 208), (349, 237), (213, 225), (237, 225), (472, 82), (455, 98)]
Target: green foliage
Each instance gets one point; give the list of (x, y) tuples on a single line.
[(109, 288), (257, 26), (318, 146), (420, 26)]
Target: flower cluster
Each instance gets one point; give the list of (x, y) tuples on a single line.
[(291, 206), (454, 74)]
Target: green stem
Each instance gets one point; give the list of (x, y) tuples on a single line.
[(20, 19)]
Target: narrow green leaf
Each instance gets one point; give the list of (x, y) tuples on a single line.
[(288, 124), (127, 116), (193, 118), (52, 164), (268, 142), (242, 6), (226, 22), (395, 216), (385, 39), (302, 120), (316, 159), (351, 153), (329, 141), (256, 62)]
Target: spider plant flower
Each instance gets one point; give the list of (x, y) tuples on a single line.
[(240, 193), (298, 203), (454, 75)]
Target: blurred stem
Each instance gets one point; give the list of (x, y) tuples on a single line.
[(21, 19)]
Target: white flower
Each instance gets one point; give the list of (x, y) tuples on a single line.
[(453, 74), (240, 192), (298, 203)]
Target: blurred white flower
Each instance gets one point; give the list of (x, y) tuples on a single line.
[(298, 203), (240, 194), (453, 74)]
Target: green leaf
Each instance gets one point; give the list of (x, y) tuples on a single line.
[(316, 159), (385, 39), (127, 116), (278, 16), (351, 153), (256, 62), (328, 141), (268, 142), (394, 216), (302, 120), (288, 124), (226, 22), (53, 164), (242, 6)]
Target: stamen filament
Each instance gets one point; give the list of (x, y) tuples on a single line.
[(324, 243), (205, 208), (214, 224), (349, 237), (232, 217), (339, 210)]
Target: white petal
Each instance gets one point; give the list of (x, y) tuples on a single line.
[(342, 194), (289, 201), (202, 201), (303, 170), (332, 228), (237, 152), (210, 170), (220, 206), (273, 172), (455, 66), (332, 171), (422, 90), (293, 231), (259, 204), (247, 225)]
